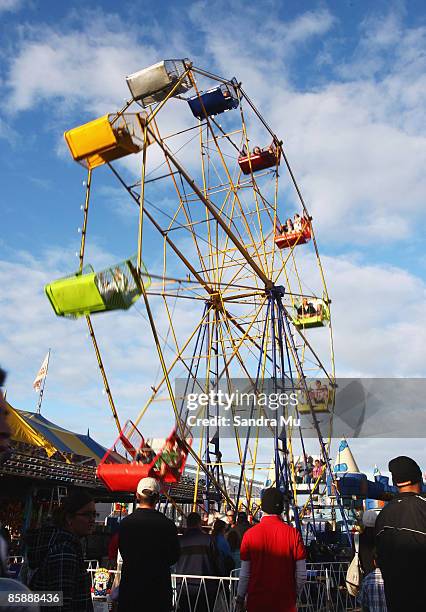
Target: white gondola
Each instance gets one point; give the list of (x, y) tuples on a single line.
[(154, 83)]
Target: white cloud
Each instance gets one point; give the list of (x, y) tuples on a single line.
[(10, 5), (257, 52), (357, 145), (79, 66), (377, 313), (355, 171)]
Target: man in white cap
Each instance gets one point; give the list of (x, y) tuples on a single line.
[(149, 545)]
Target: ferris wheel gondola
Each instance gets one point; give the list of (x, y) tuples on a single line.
[(133, 457)]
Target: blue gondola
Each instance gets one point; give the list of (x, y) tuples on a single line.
[(213, 101)]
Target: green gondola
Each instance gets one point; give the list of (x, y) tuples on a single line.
[(319, 317), (82, 294)]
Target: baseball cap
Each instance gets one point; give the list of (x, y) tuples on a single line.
[(369, 518), (404, 470), (148, 487)]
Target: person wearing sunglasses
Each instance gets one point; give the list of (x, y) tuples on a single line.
[(55, 555)]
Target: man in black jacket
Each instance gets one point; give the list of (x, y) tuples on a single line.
[(197, 558), (401, 539), (148, 543)]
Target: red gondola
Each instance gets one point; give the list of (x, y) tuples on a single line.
[(164, 460), (290, 239), (259, 160)]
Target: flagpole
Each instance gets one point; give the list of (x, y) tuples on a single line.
[(40, 397)]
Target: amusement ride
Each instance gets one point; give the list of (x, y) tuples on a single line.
[(234, 241)]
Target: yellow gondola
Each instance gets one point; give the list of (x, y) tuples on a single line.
[(107, 138)]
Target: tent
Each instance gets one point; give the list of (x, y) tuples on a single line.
[(35, 429), (345, 461)]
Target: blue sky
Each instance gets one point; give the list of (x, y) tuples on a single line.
[(342, 83)]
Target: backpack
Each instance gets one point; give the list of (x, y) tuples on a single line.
[(354, 574)]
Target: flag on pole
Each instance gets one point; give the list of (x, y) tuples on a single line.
[(42, 373)]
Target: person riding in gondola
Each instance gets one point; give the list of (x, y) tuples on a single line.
[(120, 281), (319, 310), (297, 223), (285, 228), (171, 457), (306, 309), (105, 286), (289, 225), (319, 392), (257, 151), (145, 454)]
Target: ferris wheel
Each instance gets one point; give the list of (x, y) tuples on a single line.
[(222, 217)]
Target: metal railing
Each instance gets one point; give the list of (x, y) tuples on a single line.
[(324, 591)]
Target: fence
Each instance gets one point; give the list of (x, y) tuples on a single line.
[(324, 591)]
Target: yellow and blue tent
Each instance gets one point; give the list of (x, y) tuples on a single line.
[(35, 429)]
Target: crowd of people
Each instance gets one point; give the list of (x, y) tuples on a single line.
[(270, 554), (150, 546)]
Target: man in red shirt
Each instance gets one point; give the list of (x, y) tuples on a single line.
[(273, 561)]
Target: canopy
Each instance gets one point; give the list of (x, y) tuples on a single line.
[(35, 429), (24, 432)]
